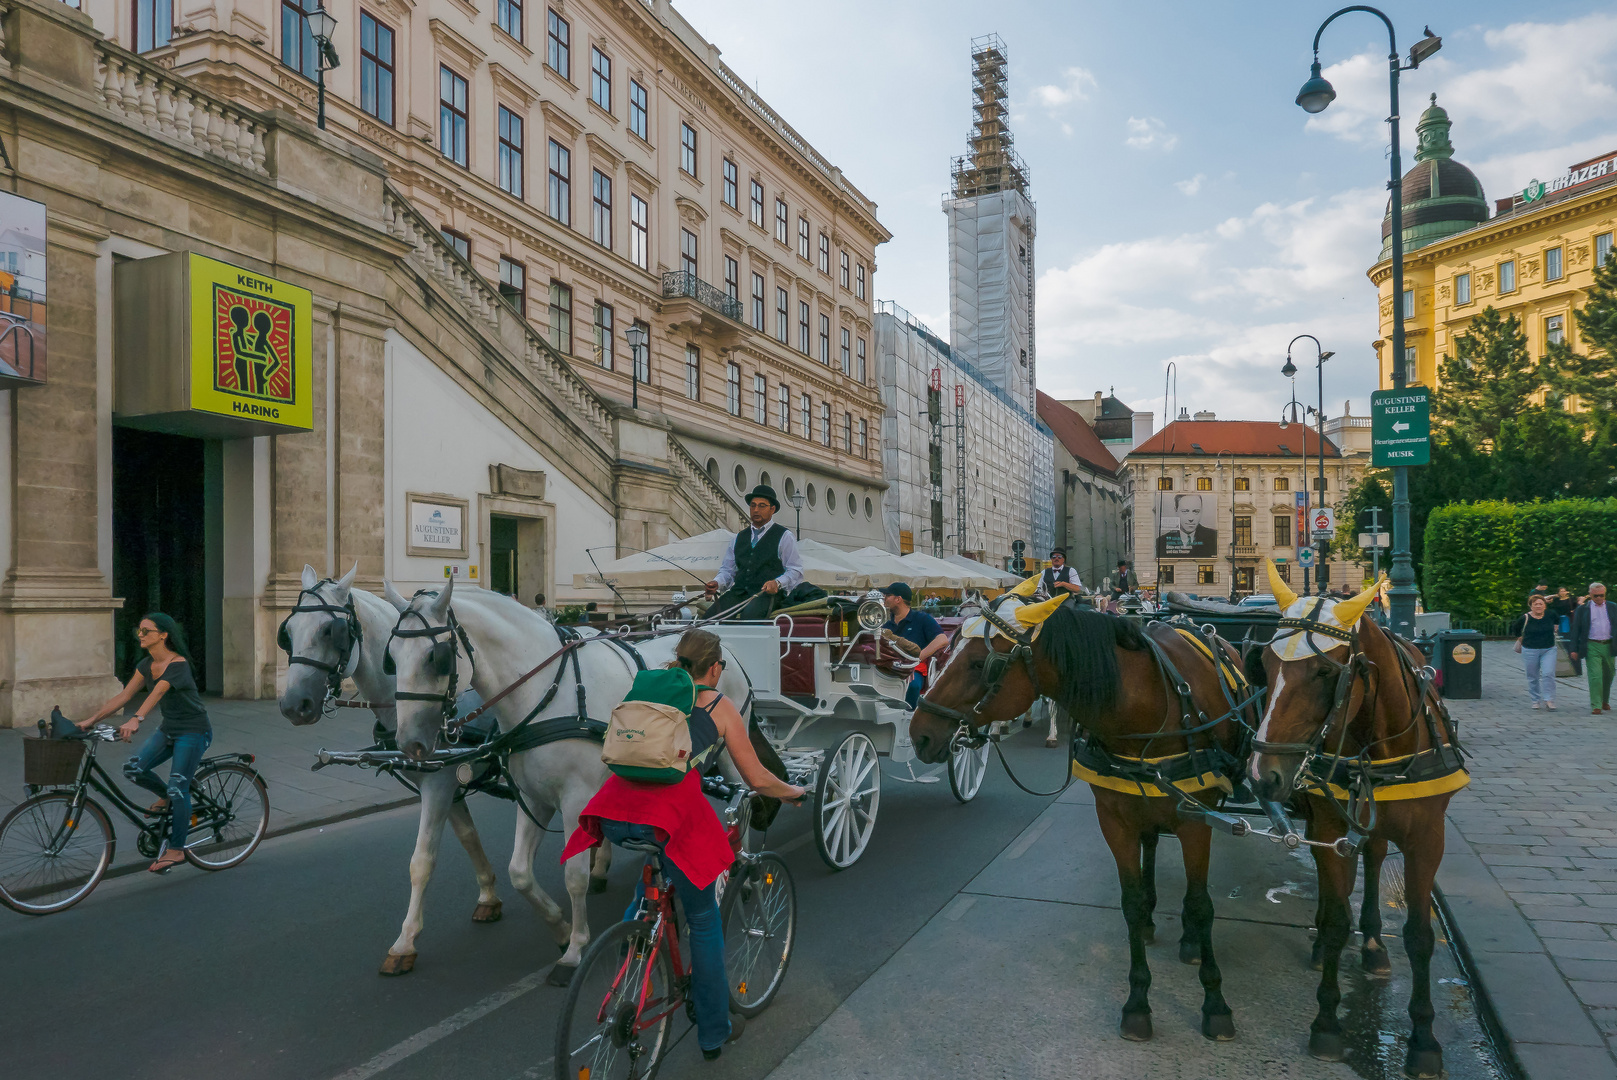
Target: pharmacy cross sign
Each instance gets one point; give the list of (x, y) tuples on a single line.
[(1400, 427)]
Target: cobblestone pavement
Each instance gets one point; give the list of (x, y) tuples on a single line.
[(1532, 876)]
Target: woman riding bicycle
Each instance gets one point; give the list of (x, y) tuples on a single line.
[(678, 818), (184, 735)]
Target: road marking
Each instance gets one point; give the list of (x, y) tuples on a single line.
[(536, 1072), (444, 1028), (793, 844), (961, 907), (1030, 838)]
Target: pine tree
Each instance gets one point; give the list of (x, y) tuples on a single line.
[(1489, 379), (1591, 376)]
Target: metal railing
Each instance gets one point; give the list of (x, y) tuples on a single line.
[(683, 283)]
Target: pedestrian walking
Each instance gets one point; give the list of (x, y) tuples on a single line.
[(1534, 631), (1562, 606), (1591, 641)]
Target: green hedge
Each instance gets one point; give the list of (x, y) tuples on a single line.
[(1482, 558)]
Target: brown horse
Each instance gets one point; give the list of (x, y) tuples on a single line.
[(1354, 726), (1143, 700)]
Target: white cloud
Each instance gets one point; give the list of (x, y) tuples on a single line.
[(1074, 87), (1149, 133), (1191, 186)]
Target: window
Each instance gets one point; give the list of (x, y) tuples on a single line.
[(825, 255), (1321, 483), (1409, 303), (864, 449), (806, 414), (830, 500), (1204, 483), (758, 302), (845, 271), (859, 357), (825, 423), (859, 281), (1554, 330), (780, 220), (510, 178), (809, 491), (1241, 525), (508, 17), (803, 239), (825, 340), (740, 477), (732, 184), (561, 318), (642, 355), (1284, 570), (1282, 531), (1204, 574), (375, 68), (637, 110), (601, 208), (755, 204), (514, 284), (847, 351), (732, 278), (847, 433), (452, 116), (558, 52), (459, 241), (1602, 248), (785, 402), (297, 40), (1410, 353), (732, 388), (605, 349), (1462, 288), (803, 329), (693, 373), (782, 316), (760, 398), (1164, 483), (154, 24), (639, 233), (561, 183), (1165, 574), (1243, 483), (687, 252), (1507, 276), (600, 78), (1282, 484), (687, 148), (1552, 264)]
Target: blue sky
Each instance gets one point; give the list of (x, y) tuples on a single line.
[(1188, 210)]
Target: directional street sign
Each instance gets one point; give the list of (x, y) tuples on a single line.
[(1305, 557), (1324, 523), (1400, 427)]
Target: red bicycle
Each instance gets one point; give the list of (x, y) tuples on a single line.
[(631, 981)]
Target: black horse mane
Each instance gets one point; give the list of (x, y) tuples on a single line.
[(1079, 643)]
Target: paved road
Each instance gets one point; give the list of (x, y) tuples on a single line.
[(969, 938)]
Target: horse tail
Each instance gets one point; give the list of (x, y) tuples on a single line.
[(1081, 644)]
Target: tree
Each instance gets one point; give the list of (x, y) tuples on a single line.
[(1489, 380), (1371, 490), (1591, 376)]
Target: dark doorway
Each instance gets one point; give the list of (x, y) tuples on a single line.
[(504, 572), (160, 556), (1243, 579)]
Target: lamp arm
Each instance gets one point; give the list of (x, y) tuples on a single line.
[(1392, 37)]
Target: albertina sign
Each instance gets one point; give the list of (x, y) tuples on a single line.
[(1400, 427)]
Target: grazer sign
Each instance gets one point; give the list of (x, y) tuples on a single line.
[(251, 338), (1400, 427)]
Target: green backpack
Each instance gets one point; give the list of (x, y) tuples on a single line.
[(648, 738)]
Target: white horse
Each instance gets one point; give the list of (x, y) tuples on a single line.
[(507, 641), (325, 650)]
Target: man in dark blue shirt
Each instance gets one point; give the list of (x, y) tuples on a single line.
[(915, 626)]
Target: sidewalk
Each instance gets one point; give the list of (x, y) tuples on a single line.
[(299, 799), (1531, 869)]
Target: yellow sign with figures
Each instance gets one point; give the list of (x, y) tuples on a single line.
[(252, 340)]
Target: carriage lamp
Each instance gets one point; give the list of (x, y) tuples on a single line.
[(872, 613), (636, 337), (322, 25)]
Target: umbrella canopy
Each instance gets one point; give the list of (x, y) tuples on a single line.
[(963, 577), (885, 568), (860, 577), (1001, 577), (693, 561)]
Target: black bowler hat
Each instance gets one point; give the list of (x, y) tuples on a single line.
[(763, 491), (900, 590), (1123, 563)]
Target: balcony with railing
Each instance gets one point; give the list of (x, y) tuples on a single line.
[(680, 283), (691, 304)]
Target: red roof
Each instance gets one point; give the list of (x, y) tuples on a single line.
[(1243, 438), (1076, 435)]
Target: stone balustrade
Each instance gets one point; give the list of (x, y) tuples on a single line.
[(147, 96)]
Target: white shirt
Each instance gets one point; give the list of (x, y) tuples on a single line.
[(1066, 573), (789, 557)]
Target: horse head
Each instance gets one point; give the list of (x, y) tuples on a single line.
[(430, 657), (321, 640)]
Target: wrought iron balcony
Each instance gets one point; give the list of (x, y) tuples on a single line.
[(679, 283)]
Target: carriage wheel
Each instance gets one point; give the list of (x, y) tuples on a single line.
[(967, 766), (845, 800)]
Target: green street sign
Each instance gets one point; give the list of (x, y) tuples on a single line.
[(1400, 427)]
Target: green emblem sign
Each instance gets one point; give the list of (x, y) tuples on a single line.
[(1400, 427)]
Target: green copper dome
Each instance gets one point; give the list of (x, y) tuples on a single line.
[(1441, 196)]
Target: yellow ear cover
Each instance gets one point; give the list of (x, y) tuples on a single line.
[(1031, 615), (1026, 590), (1283, 594), (1347, 612)]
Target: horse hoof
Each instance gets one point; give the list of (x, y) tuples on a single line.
[(1050, 742), (597, 884), (1190, 952), (398, 965), (1423, 1064), (1136, 1027), (561, 974), (1327, 1045), (1218, 1026), (1376, 963), (487, 912)]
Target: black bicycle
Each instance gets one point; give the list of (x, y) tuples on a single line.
[(57, 845)]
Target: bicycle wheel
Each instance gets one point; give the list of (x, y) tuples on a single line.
[(232, 815), (615, 1023), (759, 917), (51, 858)]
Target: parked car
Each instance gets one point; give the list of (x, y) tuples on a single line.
[(1258, 600)]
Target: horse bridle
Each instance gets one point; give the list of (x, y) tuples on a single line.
[(996, 665), (444, 658), (347, 652)]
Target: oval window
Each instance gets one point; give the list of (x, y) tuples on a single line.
[(830, 500), (763, 478), (741, 479), (870, 509), (790, 488), (713, 467), (853, 505), (809, 491)]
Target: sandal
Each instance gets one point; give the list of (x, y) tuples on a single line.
[(158, 807), (166, 862)]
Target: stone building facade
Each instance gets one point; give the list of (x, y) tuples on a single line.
[(1089, 493)]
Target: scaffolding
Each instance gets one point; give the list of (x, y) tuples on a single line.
[(992, 164)]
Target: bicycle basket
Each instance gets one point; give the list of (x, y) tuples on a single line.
[(51, 762)]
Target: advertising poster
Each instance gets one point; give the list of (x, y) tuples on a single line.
[(1180, 532), (251, 340), (22, 291)]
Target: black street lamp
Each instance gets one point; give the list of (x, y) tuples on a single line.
[(1293, 414), (1316, 94), (636, 337), (1218, 464), (322, 25), (797, 499), (1319, 414)]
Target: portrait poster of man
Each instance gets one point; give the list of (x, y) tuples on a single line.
[(22, 291), (1180, 532)]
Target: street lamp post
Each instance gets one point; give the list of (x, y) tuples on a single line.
[(1293, 414), (1319, 415), (322, 25), (636, 337), (1316, 94), (797, 499), (1218, 464)]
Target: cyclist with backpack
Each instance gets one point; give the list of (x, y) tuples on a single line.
[(669, 728)]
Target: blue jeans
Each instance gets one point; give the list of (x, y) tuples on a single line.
[(1540, 665), (709, 990), (912, 693), (187, 751)]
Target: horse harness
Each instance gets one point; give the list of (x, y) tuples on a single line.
[(346, 635)]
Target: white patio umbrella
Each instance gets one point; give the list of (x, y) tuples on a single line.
[(1002, 578), (693, 561), (963, 577), (885, 568)]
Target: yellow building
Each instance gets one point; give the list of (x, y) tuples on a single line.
[(1533, 258)]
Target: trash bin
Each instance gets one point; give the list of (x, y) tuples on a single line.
[(1460, 661)]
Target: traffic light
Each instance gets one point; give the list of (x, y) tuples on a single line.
[(1018, 564), (1018, 547)]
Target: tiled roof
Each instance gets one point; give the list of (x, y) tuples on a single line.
[(1243, 438), (1076, 435)]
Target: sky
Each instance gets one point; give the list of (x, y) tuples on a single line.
[(1188, 211)]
